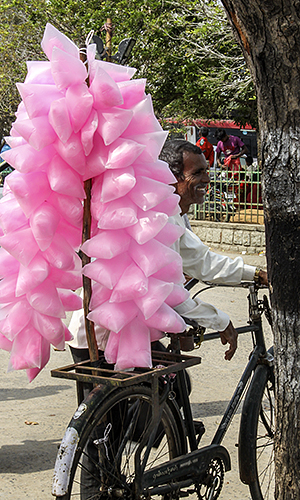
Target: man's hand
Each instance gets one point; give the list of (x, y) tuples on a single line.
[(263, 277), (229, 335)]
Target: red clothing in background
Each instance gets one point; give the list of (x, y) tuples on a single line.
[(207, 149)]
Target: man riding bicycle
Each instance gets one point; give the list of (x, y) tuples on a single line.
[(188, 164)]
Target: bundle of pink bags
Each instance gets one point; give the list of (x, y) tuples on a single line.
[(66, 132)]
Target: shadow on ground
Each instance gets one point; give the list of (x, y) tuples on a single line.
[(211, 409), (29, 456), (36, 392)]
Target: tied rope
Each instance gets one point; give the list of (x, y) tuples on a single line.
[(104, 439), (83, 50)]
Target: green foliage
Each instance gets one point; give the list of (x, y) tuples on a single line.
[(186, 50)]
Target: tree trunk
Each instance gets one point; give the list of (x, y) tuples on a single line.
[(269, 33)]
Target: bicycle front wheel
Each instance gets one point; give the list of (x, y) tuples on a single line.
[(104, 466), (256, 442)]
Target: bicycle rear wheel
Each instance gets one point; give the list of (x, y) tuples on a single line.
[(256, 443), (104, 464)]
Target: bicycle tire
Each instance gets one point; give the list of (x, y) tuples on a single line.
[(107, 471), (256, 446)]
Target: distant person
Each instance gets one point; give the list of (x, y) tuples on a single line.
[(232, 147), (206, 146)]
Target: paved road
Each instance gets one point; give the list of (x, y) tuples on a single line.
[(27, 451)]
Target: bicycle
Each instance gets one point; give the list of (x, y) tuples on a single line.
[(129, 439)]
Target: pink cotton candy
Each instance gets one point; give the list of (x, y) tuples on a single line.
[(27, 349), (153, 142), (70, 300), (96, 160), (66, 69), (18, 317), (107, 272), (118, 214), (73, 235), (167, 320), (115, 71), (43, 222), (149, 224), (45, 299), (132, 92), (113, 123), (60, 254), (111, 349), (88, 132), (14, 142), (69, 207), (171, 272), (21, 114), (45, 356), (63, 179), (131, 285), (100, 294), (38, 98), (157, 293), (12, 216), (169, 234), (114, 316), (79, 102), (5, 344), (158, 171), (178, 295), (72, 152), (105, 91), (32, 275), (107, 244), (170, 205), (134, 347), (148, 194), (21, 245), (66, 279), (59, 118), (143, 255), (54, 38), (31, 190), (117, 183), (37, 132), (68, 334), (39, 72), (8, 264), (143, 119), (52, 329), (26, 159), (155, 334), (123, 153)]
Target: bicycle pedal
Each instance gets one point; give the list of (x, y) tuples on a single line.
[(199, 428)]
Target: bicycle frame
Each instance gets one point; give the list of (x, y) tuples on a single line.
[(189, 468), (182, 466)]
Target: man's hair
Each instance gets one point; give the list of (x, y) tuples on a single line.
[(249, 160), (204, 131), (220, 134), (172, 153)]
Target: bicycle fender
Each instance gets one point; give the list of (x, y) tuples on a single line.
[(69, 444), (247, 439)]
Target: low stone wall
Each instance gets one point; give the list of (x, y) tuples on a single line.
[(228, 236)]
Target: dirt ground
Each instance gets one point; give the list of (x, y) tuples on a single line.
[(34, 416)]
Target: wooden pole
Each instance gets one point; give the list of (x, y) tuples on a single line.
[(108, 38), (87, 283)]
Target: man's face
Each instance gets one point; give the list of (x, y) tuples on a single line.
[(192, 188), (225, 138)]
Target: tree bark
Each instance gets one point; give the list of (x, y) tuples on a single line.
[(269, 33)]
